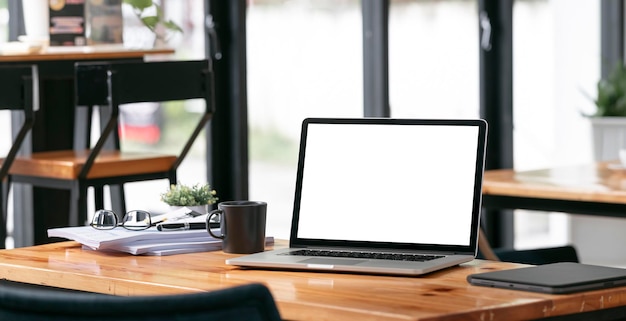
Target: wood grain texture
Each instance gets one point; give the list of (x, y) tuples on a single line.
[(590, 182), (443, 295), (67, 164)]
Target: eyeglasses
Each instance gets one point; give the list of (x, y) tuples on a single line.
[(135, 220)]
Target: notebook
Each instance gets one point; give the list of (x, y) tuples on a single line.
[(380, 195), (555, 278)]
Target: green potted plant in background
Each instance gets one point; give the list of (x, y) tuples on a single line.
[(609, 121), (197, 197), (151, 15)]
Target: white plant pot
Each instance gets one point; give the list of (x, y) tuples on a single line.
[(609, 136), (202, 209), (36, 18)]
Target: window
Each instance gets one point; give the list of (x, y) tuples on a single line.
[(433, 59), (4, 21), (556, 65), (304, 60), (165, 127)]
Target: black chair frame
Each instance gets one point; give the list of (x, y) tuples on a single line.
[(20, 91), (245, 302), (111, 84)]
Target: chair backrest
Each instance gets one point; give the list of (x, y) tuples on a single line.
[(19, 90), (566, 253), (246, 302), (115, 83)]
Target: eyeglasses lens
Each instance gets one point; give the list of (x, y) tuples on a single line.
[(137, 220), (104, 220)]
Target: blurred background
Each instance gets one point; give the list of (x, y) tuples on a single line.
[(305, 59)]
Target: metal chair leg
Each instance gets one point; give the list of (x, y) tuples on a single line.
[(4, 192), (118, 201), (78, 205), (82, 206), (98, 192)]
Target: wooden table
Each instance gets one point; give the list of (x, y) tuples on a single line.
[(443, 295), (57, 128), (593, 189)]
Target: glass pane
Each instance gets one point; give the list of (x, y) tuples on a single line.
[(433, 59), (165, 127), (304, 60), (556, 67), (4, 21)]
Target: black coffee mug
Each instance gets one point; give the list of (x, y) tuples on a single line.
[(242, 225)]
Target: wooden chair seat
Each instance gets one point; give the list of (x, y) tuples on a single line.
[(67, 164)]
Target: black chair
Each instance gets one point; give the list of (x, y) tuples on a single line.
[(252, 302), (19, 87), (566, 253), (109, 85), (539, 256)]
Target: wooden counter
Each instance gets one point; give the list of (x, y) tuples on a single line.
[(443, 295)]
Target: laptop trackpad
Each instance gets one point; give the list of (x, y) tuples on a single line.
[(331, 261)]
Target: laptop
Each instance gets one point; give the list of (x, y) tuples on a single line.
[(380, 195), (555, 278)]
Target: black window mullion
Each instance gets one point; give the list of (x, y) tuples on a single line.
[(227, 137), (496, 102), (375, 58), (611, 35)]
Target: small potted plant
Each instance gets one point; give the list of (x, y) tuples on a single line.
[(611, 99), (609, 120), (196, 197)]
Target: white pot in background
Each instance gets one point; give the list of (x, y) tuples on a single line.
[(36, 18), (609, 136)]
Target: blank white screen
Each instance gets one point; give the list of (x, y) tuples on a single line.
[(389, 183)]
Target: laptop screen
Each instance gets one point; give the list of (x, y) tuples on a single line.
[(390, 181)]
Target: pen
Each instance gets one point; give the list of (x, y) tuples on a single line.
[(183, 226)]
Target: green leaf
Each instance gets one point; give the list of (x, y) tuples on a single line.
[(171, 25), (152, 18), (611, 98), (150, 22), (139, 4)]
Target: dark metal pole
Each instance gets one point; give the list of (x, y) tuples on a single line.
[(227, 141), (496, 102), (611, 35), (376, 58)]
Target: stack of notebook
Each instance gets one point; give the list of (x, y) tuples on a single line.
[(153, 241)]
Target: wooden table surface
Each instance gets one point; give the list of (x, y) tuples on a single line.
[(601, 182), (443, 295), (589, 189)]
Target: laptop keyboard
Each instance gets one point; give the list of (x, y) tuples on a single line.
[(366, 255)]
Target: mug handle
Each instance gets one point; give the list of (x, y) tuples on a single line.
[(208, 220)]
